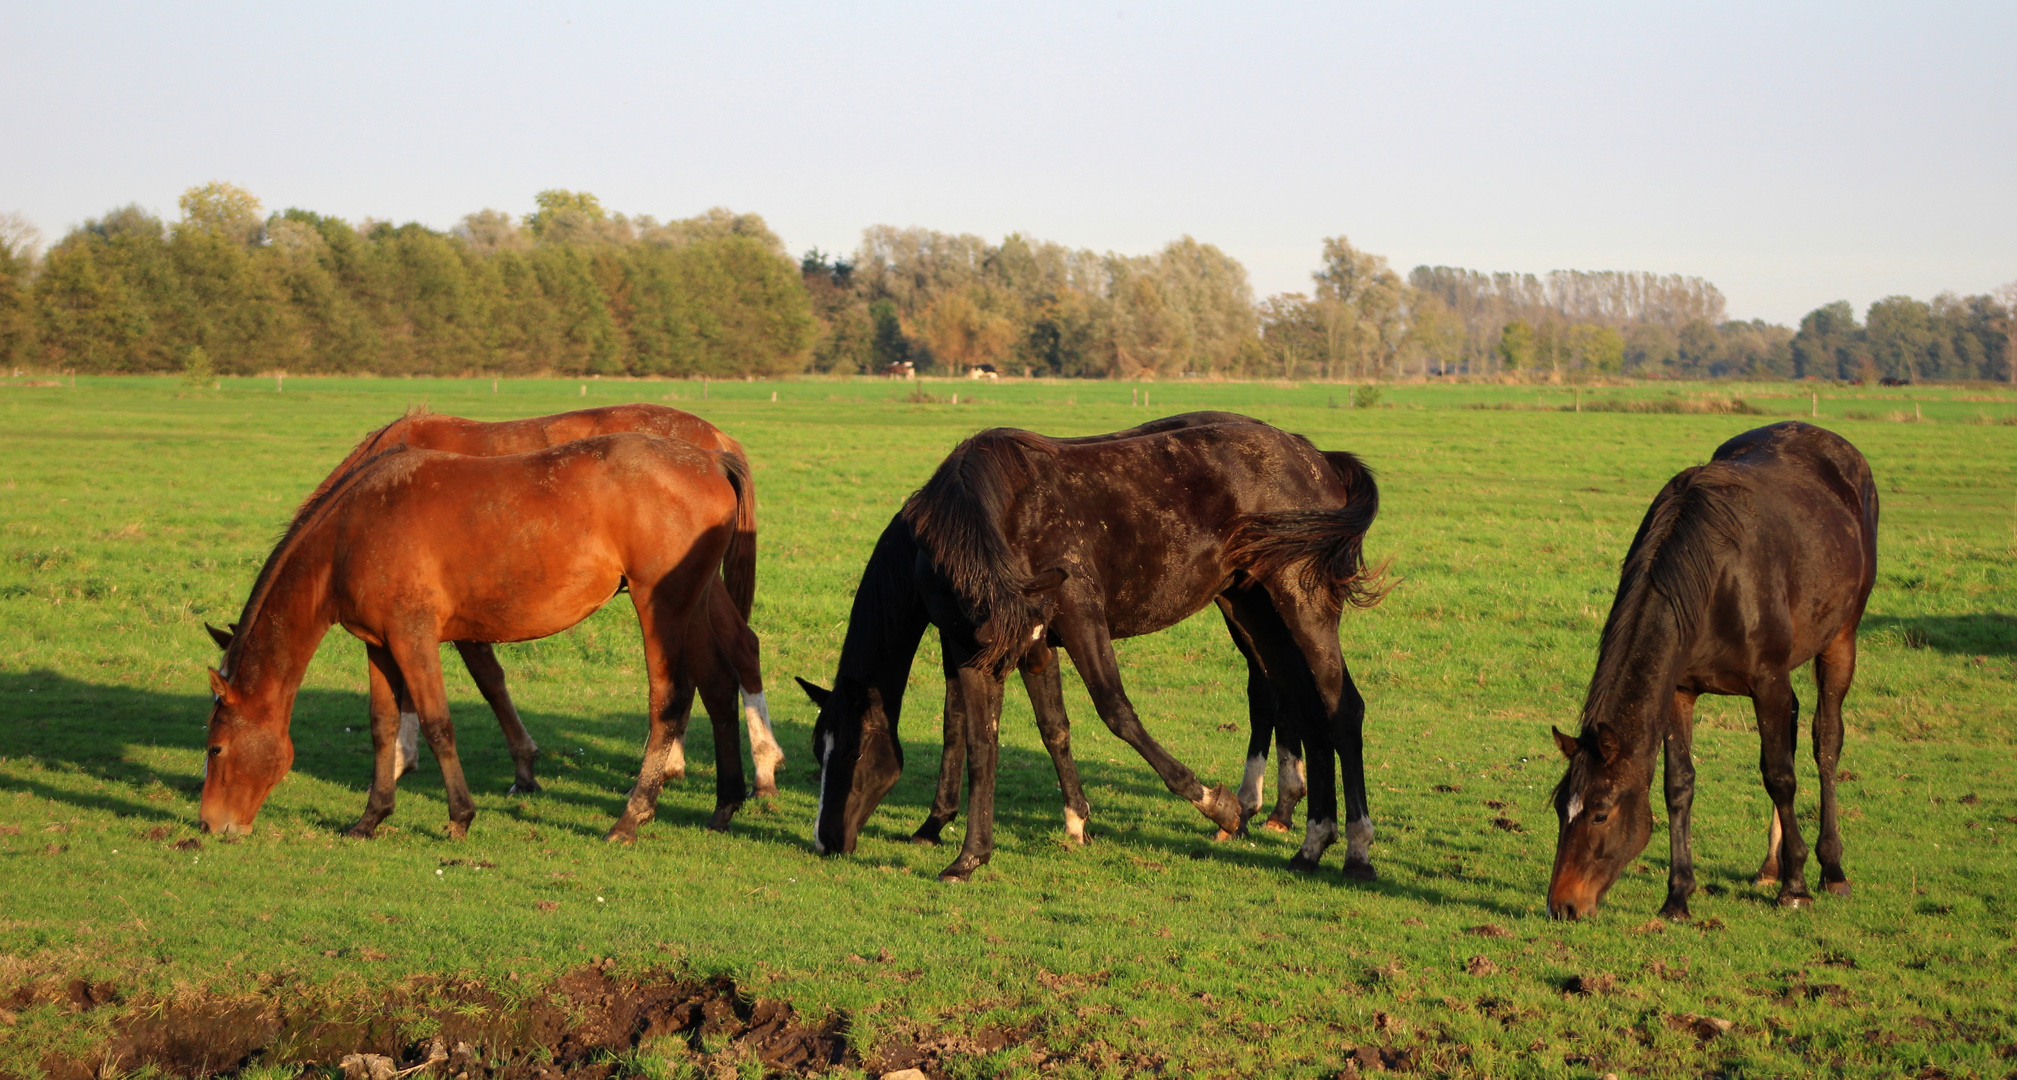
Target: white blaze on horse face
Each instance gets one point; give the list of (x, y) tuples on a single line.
[(1359, 840), (1253, 785), (1317, 837), (1575, 807), (825, 756), (406, 748), (1036, 633)]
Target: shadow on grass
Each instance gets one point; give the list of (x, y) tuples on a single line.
[(1984, 634)]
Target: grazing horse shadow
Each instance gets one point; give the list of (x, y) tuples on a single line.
[(1988, 633), (114, 733)]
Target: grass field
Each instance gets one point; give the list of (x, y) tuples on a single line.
[(132, 510)]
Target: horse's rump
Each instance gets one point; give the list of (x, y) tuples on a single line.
[(1326, 546)]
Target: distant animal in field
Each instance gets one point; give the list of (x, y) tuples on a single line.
[(432, 431), (1743, 570), (1043, 679), (413, 547), (1019, 540)]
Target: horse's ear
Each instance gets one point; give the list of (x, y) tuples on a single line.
[(1568, 746), (221, 688), (221, 637), (817, 695), (1045, 581)]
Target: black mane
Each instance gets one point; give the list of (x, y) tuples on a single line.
[(957, 519)]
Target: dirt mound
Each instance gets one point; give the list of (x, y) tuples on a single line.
[(571, 1029)]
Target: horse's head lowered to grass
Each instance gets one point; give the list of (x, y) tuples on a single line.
[(1606, 817), (860, 759), (248, 754)]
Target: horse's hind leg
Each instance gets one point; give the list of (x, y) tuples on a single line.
[(1045, 683), (743, 654), (481, 660), (387, 690), (1338, 725), (1092, 651), (1833, 671), (951, 767), (670, 696), (1262, 707), (717, 685), (420, 662), (1778, 711)]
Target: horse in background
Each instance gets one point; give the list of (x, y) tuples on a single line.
[(1018, 539), (413, 547), (1743, 570), (426, 430)]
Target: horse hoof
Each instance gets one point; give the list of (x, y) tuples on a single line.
[(524, 787), (925, 839), (719, 822), (1677, 913), (458, 829), (1222, 836), (1302, 864), (362, 832), (1838, 888), (766, 791), (621, 834), (1763, 880), (950, 877), (1796, 902), (1359, 871), (1274, 825)]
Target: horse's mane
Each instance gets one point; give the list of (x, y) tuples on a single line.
[(1672, 562), (304, 515), (957, 518)]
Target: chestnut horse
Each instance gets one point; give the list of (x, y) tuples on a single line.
[(1044, 682), (415, 547), (1743, 570), (430, 431), (1018, 540)]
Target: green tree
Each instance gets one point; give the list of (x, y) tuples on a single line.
[(1517, 346), (225, 209)]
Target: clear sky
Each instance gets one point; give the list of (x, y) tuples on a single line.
[(1793, 154)]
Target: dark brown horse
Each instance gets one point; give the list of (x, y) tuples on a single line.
[(431, 431), (1743, 570), (1044, 682), (1018, 540), (415, 547)]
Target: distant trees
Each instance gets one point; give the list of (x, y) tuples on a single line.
[(572, 289), (1950, 337)]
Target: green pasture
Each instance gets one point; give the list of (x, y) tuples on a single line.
[(133, 510)]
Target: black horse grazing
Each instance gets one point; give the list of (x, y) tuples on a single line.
[(1044, 681), (1744, 569), (1018, 541)]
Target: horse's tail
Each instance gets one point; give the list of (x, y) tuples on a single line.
[(738, 562), (738, 566), (1327, 546), (957, 519)]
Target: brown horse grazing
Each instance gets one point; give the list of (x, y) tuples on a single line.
[(1044, 682), (1018, 539), (415, 547), (1743, 570), (430, 431)]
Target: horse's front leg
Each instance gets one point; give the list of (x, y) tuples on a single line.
[(481, 660), (420, 662), (1680, 806), (951, 766), (1045, 683), (387, 688), (981, 693)]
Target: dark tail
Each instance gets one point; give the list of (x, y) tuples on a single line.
[(738, 563), (738, 566), (1327, 546)]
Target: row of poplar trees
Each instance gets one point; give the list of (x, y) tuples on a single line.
[(573, 289)]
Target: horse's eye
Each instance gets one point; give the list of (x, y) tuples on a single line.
[(1601, 816), (216, 750)]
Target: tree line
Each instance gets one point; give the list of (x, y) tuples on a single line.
[(571, 288)]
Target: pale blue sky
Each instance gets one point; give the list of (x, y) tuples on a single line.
[(1793, 154)]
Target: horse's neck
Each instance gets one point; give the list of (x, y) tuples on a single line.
[(281, 636), (1638, 669), (887, 620)]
